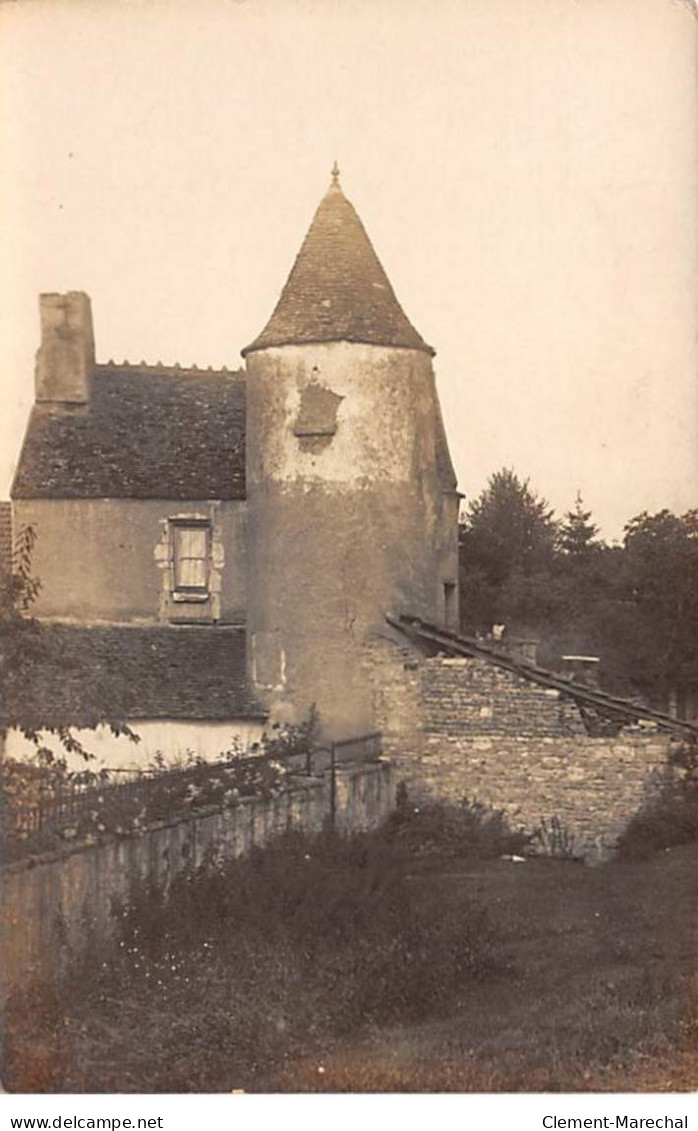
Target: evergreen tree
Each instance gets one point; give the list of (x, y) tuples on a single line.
[(507, 544), (577, 534), (585, 568)]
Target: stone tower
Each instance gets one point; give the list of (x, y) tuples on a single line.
[(351, 492)]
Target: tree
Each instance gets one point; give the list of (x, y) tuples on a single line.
[(507, 547), (509, 526), (653, 636), (583, 573), (18, 630), (577, 534), (635, 605)]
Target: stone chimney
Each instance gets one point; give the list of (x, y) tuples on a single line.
[(66, 357)]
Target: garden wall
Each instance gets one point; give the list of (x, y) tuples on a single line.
[(57, 905), (588, 787), (456, 728)]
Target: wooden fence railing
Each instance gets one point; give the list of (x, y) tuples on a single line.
[(41, 811)]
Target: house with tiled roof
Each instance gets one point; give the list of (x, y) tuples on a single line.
[(218, 549)]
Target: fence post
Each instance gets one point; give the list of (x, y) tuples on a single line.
[(333, 784), (4, 798)]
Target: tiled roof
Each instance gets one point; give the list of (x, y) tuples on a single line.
[(77, 675), (337, 289), (5, 536), (148, 432)]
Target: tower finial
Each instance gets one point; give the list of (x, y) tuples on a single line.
[(335, 175)]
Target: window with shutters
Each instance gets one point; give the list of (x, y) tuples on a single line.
[(191, 557)]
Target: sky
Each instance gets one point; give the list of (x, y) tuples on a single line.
[(526, 170)]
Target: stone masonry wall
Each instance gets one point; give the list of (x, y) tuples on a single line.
[(460, 728), (461, 697), (588, 787), (58, 904)]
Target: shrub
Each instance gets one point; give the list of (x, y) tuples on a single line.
[(467, 829), (249, 961), (669, 819)]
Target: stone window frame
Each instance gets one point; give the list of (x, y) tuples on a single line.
[(179, 591), (190, 607)]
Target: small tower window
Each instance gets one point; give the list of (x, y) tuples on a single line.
[(450, 605)]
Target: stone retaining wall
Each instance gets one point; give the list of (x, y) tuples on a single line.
[(588, 787), (57, 905), (457, 728)]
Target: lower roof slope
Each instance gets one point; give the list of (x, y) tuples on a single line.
[(148, 432), (79, 676)]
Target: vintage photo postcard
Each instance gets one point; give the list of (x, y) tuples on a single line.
[(349, 547)]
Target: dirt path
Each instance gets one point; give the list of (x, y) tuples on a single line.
[(403, 1067)]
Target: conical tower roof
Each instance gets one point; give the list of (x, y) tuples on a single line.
[(337, 289)]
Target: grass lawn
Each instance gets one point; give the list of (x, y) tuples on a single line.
[(595, 989), (583, 979)]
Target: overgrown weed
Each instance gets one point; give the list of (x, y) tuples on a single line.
[(465, 829), (244, 963)]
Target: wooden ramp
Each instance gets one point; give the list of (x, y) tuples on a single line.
[(602, 713)]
